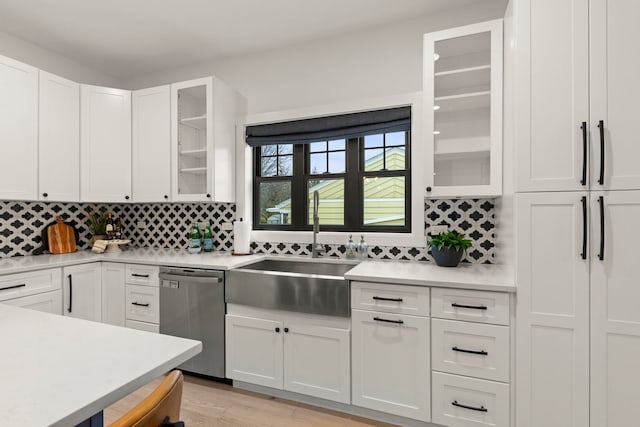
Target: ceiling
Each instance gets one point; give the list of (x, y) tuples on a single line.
[(126, 38)]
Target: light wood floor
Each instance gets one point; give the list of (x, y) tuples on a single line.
[(212, 404)]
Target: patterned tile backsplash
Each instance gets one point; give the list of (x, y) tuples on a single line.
[(164, 225)]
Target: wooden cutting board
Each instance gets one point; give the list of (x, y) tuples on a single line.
[(62, 239)]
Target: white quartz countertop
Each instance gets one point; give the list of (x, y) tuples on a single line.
[(60, 371), (168, 257), (467, 276)]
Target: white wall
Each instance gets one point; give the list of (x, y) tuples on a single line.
[(365, 64), (47, 60)]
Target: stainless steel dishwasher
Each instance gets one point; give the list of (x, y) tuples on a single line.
[(192, 306)]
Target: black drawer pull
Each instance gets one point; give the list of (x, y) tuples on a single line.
[(583, 181), (13, 287), (472, 408), (139, 304), (278, 330), (601, 203), (601, 127), (387, 299), (70, 293), (146, 276), (380, 319), (462, 350), (475, 307)]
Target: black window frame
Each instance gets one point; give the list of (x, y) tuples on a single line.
[(353, 185)]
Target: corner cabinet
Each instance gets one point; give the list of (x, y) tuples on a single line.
[(462, 87), (105, 144), (203, 114)]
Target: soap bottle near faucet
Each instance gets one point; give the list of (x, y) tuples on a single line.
[(362, 248), (351, 249)]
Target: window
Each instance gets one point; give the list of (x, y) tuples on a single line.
[(363, 183)]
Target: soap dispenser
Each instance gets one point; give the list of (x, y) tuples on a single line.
[(362, 248), (350, 252)]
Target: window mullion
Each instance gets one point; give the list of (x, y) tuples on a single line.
[(298, 189), (352, 189)]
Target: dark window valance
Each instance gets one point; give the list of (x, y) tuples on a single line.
[(332, 127)]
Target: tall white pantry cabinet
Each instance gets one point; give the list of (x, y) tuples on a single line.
[(578, 179)]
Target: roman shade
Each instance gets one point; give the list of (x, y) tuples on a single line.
[(332, 127)]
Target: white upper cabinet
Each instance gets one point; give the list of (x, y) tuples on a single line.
[(462, 88), (59, 139), (151, 139), (18, 130), (105, 144), (203, 114), (614, 69)]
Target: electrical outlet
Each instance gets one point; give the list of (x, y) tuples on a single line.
[(437, 229), (226, 226), (141, 225)]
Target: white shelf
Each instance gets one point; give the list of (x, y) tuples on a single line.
[(197, 122), (446, 146), (195, 171), (463, 70), (464, 95), (199, 152)]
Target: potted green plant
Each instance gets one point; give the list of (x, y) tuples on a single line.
[(447, 248), (98, 225)]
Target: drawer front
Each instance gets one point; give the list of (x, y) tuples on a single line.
[(35, 282), (142, 326), (389, 298), (142, 275), (49, 302), (143, 303), (469, 402), (472, 349), (474, 306)]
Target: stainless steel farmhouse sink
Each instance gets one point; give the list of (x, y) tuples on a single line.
[(302, 286)]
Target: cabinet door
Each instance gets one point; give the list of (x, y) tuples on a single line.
[(82, 290), (614, 94), (105, 144), (192, 140), (553, 95), (151, 126), (254, 350), (316, 361), (59, 139), (49, 302), (552, 346), (18, 130), (390, 363), (615, 318), (113, 295), (463, 105)]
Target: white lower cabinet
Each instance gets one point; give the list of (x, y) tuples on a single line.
[(254, 350), (293, 352), (469, 402), (113, 293), (82, 291), (50, 302), (142, 326), (390, 363), (142, 297)]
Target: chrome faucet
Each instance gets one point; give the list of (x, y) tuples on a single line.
[(316, 248)]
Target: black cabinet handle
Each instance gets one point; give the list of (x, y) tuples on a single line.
[(428, 189), (583, 181), (387, 299), (126, 197), (286, 330), (70, 293), (601, 203), (45, 194), (166, 197), (22, 285), (380, 319), (139, 304), (585, 230), (601, 126), (462, 350), (208, 195), (146, 276), (278, 330), (475, 307), (472, 408)]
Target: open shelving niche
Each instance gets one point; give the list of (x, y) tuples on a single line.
[(462, 110), (192, 137)]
